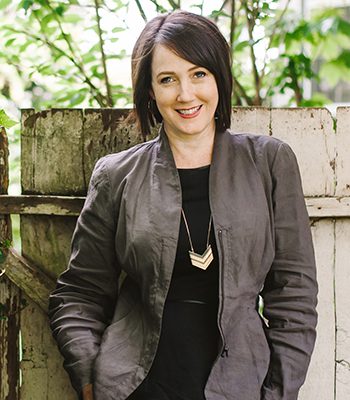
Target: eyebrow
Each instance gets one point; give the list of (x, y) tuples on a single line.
[(172, 72)]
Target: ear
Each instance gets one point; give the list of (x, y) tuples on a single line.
[(151, 93)]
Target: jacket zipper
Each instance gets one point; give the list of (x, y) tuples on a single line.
[(224, 349)]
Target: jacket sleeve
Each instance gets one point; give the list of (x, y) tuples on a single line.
[(84, 299), (290, 289)]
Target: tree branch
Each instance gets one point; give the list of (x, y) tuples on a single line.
[(174, 5), (97, 95), (103, 102), (103, 56), (141, 10), (159, 8), (251, 24), (223, 5), (232, 26), (242, 91), (272, 36), (64, 35)]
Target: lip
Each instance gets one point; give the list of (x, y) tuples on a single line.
[(188, 116)]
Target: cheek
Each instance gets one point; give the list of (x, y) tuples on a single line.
[(163, 99), (212, 93)]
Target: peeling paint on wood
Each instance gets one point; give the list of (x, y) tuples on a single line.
[(9, 299)]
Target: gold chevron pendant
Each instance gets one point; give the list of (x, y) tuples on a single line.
[(202, 261)]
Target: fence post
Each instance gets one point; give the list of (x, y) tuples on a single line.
[(9, 296)]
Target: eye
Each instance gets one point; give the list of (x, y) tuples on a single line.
[(166, 79), (200, 74)]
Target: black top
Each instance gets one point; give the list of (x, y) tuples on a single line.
[(188, 343)]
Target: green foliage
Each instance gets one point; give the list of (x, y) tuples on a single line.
[(65, 51), (6, 121)]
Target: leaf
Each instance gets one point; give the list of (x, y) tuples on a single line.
[(6, 121), (241, 46), (59, 10), (45, 21), (344, 27), (9, 42), (72, 18), (219, 13), (331, 72), (26, 4), (118, 29), (76, 99), (344, 58)]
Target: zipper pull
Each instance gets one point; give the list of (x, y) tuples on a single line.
[(224, 352)]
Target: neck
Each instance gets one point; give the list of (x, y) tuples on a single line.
[(192, 151)]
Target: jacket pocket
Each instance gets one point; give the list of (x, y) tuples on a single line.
[(121, 344), (259, 347)]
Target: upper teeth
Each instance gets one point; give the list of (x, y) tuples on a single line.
[(189, 110)]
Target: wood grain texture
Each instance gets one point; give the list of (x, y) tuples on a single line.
[(43, 205), (342, 305), (29, 278), (10, 296), (320, 378), (256, 120), (10, 305), (52, 146), (43, 375), (343, 152), (310, 133)]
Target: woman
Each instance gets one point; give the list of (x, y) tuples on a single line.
[(201, 222)]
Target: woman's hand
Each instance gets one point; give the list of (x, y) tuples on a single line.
[(87, 392)]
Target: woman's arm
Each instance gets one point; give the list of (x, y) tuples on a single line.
[(84, 299), (290, 288)]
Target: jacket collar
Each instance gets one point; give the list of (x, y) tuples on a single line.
[(222, 176)]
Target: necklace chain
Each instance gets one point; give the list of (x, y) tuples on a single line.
[(198, 260), (188, 230)]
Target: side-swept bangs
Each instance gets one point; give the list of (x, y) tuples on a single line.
[(197, 40)]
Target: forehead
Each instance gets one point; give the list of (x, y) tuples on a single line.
[(165, 60)]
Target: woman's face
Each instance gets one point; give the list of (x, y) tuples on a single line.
[(186, 94)]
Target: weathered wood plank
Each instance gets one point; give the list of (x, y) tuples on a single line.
[(40, 204), (343, 149), (51, 148), (10, 304), (320, 379), (43, 375), (106, 132), (328, 207), (10, 296), (46, 241), (342, 304), (256, 120), (27, 148), (318, 207), (310, 133), (30, 279)]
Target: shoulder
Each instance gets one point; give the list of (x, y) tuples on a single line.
[(262, 148), (130, 155), (120, 164)]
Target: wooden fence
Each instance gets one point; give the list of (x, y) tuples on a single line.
[(59, 149)]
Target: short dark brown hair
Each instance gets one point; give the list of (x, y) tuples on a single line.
[(193, 38)]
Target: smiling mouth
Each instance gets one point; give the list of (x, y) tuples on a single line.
[(189, 111)]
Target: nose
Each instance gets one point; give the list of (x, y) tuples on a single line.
[(186, 91)]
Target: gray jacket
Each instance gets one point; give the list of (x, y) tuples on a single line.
[(108, 333)]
